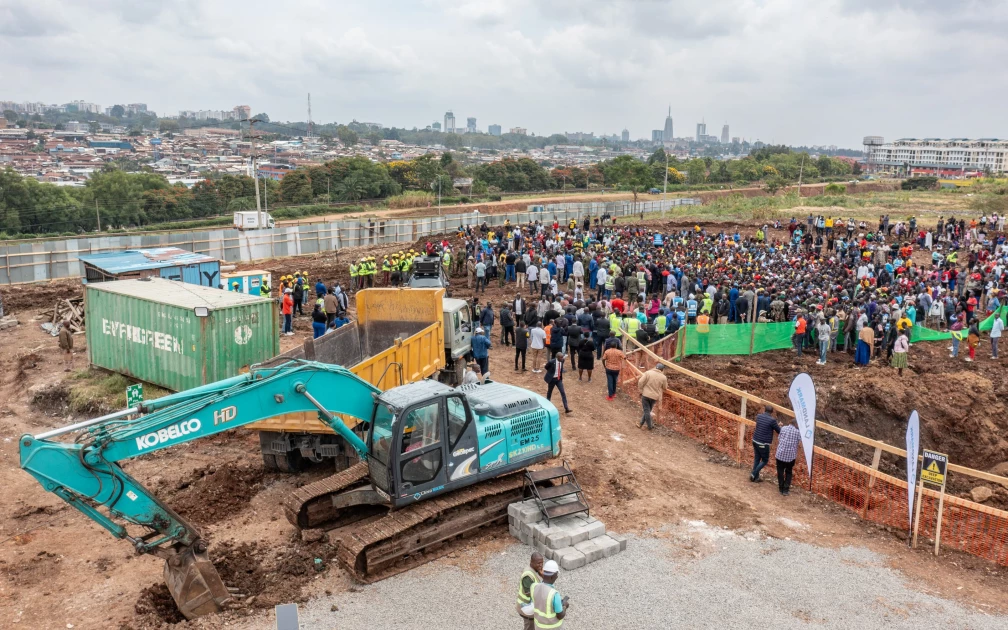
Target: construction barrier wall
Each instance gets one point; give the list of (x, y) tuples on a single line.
[(47, 259), (763, 337), (877, 497)]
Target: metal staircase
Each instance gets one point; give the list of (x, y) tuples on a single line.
[(549, 485)]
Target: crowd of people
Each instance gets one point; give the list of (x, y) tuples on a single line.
[(843, 284), (328, 313)]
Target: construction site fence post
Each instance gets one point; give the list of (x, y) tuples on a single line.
[(938, 524)]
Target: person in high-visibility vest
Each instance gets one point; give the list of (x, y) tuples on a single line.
[(386, 269), (703, 332), (531, 576), (661, 322), (548, 607), (630, 325), (354, 270)]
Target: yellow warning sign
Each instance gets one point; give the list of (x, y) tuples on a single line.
[(933, 470)]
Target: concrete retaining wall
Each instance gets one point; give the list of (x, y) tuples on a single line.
[(49, 259)]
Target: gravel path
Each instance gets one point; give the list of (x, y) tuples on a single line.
[(691, 576)]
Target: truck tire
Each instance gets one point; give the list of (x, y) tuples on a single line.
[(270, 462), (291, 462)]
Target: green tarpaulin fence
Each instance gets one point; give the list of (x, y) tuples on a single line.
[(753, 338)]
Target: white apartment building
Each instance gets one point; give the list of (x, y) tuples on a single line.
[(953, 157)]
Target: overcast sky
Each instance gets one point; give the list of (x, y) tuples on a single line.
[(786, 71)]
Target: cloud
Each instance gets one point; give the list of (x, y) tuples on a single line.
[(824, 72)]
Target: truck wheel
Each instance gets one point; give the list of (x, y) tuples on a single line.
[(291, 462), (270, 462)]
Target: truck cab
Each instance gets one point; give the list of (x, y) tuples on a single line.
[(428, 273), (458, 331)]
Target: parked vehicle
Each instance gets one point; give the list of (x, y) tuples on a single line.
[(252, 220)]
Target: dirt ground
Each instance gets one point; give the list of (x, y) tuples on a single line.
[(58, 568)]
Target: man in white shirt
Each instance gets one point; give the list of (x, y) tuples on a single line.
[(544, 279), (537, 341), (532, 272)]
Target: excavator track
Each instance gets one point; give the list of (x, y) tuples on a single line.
[(402, 539), (311, 505)]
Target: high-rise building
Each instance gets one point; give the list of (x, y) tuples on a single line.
[(625, 136), (242, 112), (724, 134), (701, 130), (736, 140), (521, 131), (667, 132), (657, 135), (436, 126), (494, 130), (449, 122), (470, 125)]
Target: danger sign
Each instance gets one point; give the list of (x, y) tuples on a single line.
[(933, 470)]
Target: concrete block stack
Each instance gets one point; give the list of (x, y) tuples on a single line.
[(573, 541)]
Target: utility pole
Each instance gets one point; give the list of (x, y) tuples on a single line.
[(252, 157), (800, 170), (665, 191), (97, 213)]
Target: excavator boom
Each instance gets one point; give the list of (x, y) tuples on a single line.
[(85, 473)]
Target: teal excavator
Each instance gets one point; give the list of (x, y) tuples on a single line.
[(436, 463)]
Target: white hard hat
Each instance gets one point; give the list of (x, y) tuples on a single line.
[(550, 568)]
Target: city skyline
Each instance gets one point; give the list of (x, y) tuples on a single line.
[(719, 60)]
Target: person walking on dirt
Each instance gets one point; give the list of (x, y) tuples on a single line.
[(287, 308), (481, 271), (481, 345), (554, 379), (521, 340), (298, 295), (66, 344), (529, 578), (995, 335), (612, 361), (973, 339), (508, 325), (766, 426), (900, 352), (586, 356), (486, 319), (537, 341), (652, 385), (787, 453)]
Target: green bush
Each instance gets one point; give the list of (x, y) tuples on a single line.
[(920, 183), (834, 189), (412, 199)]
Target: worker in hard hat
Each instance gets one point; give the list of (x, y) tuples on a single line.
[(234, 286), (264, 288), (531, 576), (548, 608)]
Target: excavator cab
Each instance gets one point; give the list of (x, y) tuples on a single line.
[(422, 441)]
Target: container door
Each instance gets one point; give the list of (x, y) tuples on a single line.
[(171, 273)]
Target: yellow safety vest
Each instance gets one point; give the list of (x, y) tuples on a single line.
[(523, 597), (632, 324), (353, 270), (661, 322), (542, 603), (614, 325)]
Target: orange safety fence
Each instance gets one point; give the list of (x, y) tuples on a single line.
[(875, 496)]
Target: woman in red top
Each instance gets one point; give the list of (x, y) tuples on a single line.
[(287, 308)]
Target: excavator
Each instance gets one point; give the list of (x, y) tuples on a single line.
[(436, 463)]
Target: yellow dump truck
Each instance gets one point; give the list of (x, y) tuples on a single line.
[(400, 336)]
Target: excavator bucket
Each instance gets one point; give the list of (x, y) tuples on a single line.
[(194, 582)]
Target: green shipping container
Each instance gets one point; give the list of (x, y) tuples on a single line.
[(149, 329)]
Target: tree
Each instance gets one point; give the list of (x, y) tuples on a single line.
[(479, 187), (118, 111), (93, 127), (352, 188), (773, 184), (296, 187), (168, 126), (374, 138), (696, 171), (346, 135), (262, 116)]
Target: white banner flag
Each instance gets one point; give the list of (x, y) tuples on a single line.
[(803, 402), (912, 447)]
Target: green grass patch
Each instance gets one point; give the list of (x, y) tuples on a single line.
[(97, 391)]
